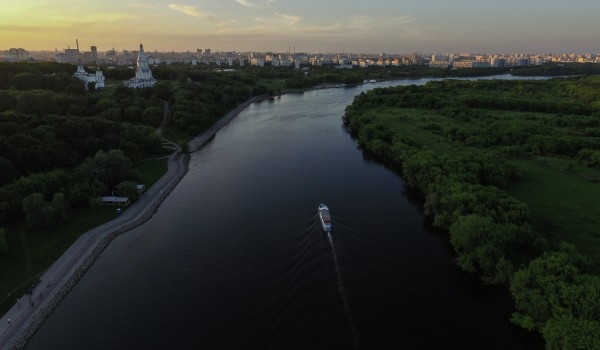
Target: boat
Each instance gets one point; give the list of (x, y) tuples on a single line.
[(325, 217)]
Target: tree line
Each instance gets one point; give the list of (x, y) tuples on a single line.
[(463, 172)]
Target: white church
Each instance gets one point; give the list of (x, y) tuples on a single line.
[(143, 76), (86, 77)]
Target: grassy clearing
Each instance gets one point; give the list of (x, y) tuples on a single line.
[(410, 123), (562, 199), (151, 170), (32, 252)]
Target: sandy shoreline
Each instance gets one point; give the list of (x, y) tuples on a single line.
[(65, 273)]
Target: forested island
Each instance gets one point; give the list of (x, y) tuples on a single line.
[(511, 169)]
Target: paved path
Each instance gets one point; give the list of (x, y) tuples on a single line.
[(55, 283), (58, 274)]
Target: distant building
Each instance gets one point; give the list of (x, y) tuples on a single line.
[(143, 75), (463, 64), (498, 62), (439, 64), (15, 55), (97, 78), (69, 56), (94, 51), (260, 62), (19, 54), (113, 200)]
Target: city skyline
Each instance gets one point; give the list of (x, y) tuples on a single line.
[(310, 26)]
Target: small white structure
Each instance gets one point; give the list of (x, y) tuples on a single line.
[(113, 200), (87, 78), (143, 75)]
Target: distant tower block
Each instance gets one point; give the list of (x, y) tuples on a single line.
[(94, 51)]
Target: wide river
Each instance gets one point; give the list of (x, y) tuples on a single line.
[(235, 258)]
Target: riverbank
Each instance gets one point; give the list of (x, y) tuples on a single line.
[(197, 142), (30, 312)]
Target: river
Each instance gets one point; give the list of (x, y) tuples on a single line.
[(235, 257)]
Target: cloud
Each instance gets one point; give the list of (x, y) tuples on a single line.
[(193, 11), (288, 19), (365, 24), (245, 3), (253, 4), (143, 6), (280, 19)]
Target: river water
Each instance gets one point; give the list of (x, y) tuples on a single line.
[(235, 257)]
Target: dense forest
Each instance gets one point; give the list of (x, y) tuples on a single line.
[(511, 169)]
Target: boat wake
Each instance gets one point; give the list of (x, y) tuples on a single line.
[(343, 291)]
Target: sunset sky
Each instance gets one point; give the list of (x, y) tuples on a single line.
[(392, 26)]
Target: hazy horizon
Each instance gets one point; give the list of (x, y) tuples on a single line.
[(276, 25)]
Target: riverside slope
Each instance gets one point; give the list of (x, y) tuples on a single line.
[(56, 282)]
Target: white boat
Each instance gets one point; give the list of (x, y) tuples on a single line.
[(325, 217)]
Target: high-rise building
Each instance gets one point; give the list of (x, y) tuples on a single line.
[(94, 51), (69, 56), (18, 54)]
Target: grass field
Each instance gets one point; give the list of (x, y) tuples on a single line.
[(32, 252), (564, 200)]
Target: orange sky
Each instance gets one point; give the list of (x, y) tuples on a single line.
[(328, 26)]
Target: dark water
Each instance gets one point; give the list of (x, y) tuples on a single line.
[(235, 258)]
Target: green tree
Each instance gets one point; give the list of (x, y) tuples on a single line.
[(27, 81), (8, 173), (128, 189), (37, 102), (110, 168), (537, 288), (59, 208), (81, 192), (152, 116), (490, 248), (7, 101), (11, 208), (3, 244), (37, 211), (567, 332), (185, 146)]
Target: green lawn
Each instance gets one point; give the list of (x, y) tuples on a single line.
[(151, 170), (564, 200)]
